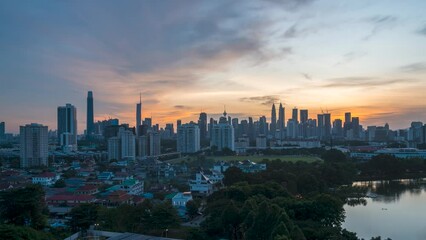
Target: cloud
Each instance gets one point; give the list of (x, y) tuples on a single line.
[(263, 100), (422, 31), (349, 57), (363, 82), (290, 4), (291, 32), (380, 23), (182, 107), (414, 67), (307, 76)]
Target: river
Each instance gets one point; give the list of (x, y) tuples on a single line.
[(398, 211)]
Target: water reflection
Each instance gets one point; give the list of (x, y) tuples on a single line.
[(395, 211), (391, 191)]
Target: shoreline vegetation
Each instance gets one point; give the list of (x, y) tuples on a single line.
[(289, 200)]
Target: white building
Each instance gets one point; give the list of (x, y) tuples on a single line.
[(45, 179), (34, 145), (181, 199), (188, 138), (122, 147), (222, 135), (128, 144), (114, 148), (201, 185)]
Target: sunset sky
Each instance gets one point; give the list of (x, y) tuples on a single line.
[(363, 56)]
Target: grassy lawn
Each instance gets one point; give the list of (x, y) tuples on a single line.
[(289, 158)]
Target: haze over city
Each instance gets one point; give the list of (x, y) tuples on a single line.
[(184, 57)]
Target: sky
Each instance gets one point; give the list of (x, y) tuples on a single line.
[(184, 57)]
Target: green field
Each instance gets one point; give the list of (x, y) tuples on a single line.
[(255, 158)]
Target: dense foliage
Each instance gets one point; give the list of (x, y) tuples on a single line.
[(287, 201)]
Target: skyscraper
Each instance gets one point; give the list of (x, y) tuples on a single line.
[(320, 127), (327, 126), (294, 115), (90, 129), (138, 115), (303, 115), (34, 145), (202, 123), (222, 135), (273, 126), (2, 130), (281, 117), (67, 127), (188, 138)]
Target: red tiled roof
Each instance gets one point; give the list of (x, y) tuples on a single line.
[(71, 198), (87, 188)]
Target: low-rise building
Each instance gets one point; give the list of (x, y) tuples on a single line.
[(201, 185), (45, 179)]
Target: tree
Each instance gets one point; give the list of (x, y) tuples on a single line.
[(83, 216), (233, 175), (191, 209), (59, 184), (164, 216), (24, 206), (22, 233)]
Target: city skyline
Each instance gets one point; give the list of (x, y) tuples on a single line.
[(358, 56)]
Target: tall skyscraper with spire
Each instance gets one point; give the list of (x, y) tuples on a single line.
[(138, 115), (90, 129), (281, 117), (273, 126)]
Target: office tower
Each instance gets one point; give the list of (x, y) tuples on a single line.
[(178, 123), (34, 145), (244, 128), (415, 134), (302, 128), (347, 125), (355, 127), (337, 128), (261, 142), (281, 117), (67, 127), (320, 127), (273, 125), (148, 122), (138, 115), (222, 135), (303, 115), (2, 129), (292, 132), (90, 125), (169, 131), (251, 129), (188, 138), (235, 123), (263, 126), (327, 126), (202, 123), (347, 118), (294, 115), (211, 123)]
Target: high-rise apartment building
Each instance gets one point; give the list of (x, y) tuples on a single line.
[(2, 129), (188, 138), (222, 135), (294, 115), (33, 145)]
